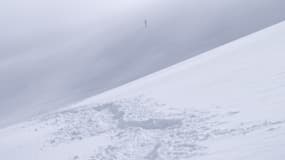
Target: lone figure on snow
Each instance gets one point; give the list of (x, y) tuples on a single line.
[(145, 23)]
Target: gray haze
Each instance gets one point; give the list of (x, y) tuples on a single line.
[(56, 52)]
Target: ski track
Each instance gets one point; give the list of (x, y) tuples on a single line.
[(140, 129)]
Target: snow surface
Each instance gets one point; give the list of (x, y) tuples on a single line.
[(227, 103), (57, 52)]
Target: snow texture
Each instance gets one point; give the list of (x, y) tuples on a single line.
[(57, 52), (227, 103)]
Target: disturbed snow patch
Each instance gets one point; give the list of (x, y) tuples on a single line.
[(142, 129)]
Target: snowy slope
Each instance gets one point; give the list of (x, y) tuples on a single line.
[(57, 52), (225, 104)]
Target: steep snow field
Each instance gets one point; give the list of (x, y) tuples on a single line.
[(57, 52), (227, 103)]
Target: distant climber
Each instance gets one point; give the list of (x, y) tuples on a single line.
[(145, 23)]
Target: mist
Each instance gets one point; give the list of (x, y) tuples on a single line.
[(57, 52)]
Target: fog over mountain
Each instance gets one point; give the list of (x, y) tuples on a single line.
[(224, 104), (57, 52)]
